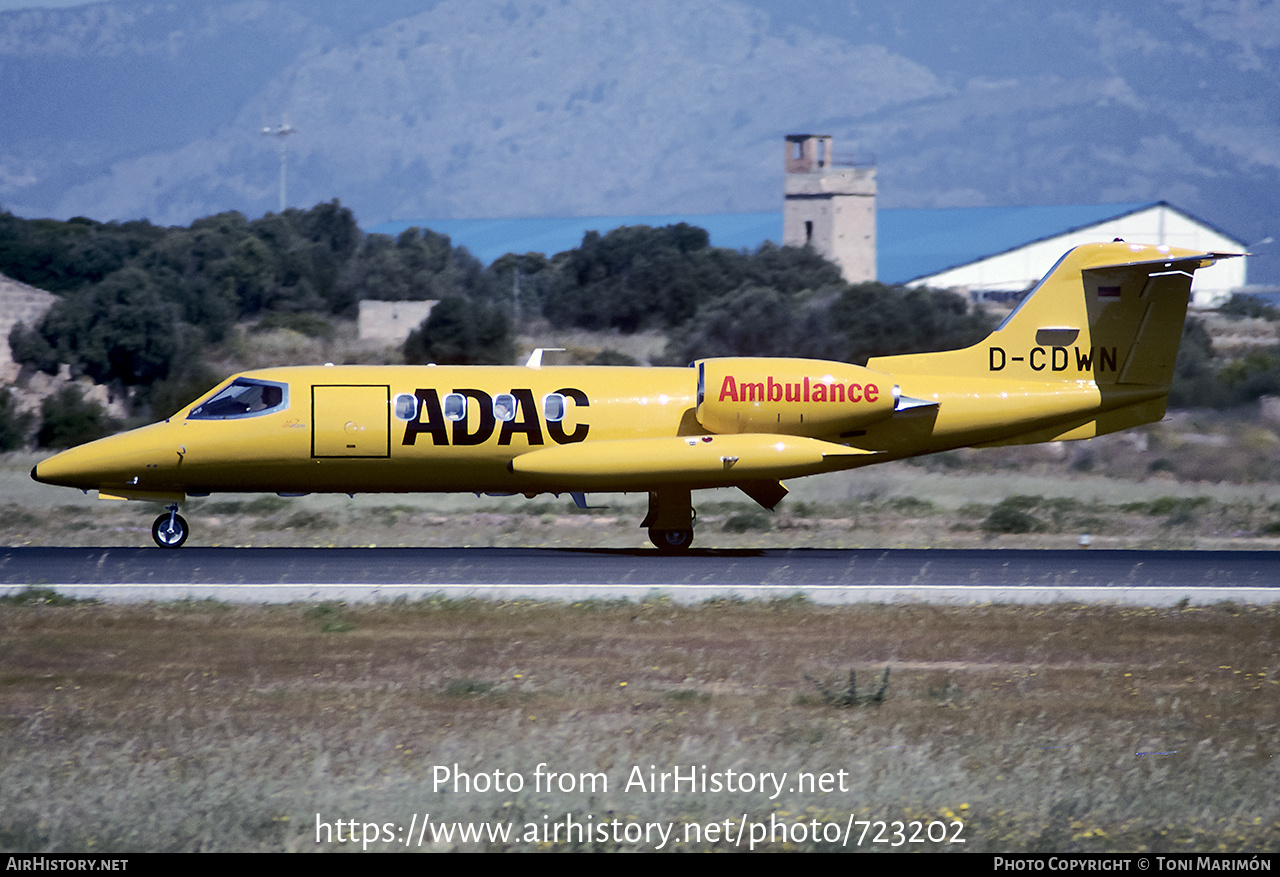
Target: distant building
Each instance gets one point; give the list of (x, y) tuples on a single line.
[(830, 205), (1008, 249)]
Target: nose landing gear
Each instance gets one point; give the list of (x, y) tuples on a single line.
[(170, 530)]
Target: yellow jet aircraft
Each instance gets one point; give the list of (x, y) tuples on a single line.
[(1089, 351)]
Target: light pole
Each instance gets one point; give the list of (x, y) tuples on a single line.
[(283, 131)]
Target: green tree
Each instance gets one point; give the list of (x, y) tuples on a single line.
[(122, 330), (638, 277), (332, 239), (1240, 306), (840, 322), (417, 265), (192, 268), (30, 347), (67, 256), (757, 321), (15, 424), (878, 320), (459, 332), (515, 281), (181, 389), (1255, 374), (67, 418), (1195, 377), (630, 278)]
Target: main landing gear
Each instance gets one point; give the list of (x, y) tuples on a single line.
[(670, 541), (170, 530), (670, 520)]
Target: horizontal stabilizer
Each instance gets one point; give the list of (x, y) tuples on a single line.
[(1176, 260), (907, 403)]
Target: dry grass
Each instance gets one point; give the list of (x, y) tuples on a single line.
[(246, 349), (207, 726), (893, 505), (580, 345)]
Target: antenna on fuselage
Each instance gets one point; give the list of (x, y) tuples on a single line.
[(535, 358)]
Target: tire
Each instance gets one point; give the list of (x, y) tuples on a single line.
[(671, 541), (170, 537)]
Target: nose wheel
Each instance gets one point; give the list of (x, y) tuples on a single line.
[(170, 530)]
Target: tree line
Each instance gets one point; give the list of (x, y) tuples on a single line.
[(141, 305)]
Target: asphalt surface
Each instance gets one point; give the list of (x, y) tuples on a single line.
[(262, 575)]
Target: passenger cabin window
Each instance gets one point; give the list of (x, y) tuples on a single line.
[(406, 407), (504, 407), (553, 407), (245, 397), (455, 407)]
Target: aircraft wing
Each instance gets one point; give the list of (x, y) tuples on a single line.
[(718, 459)]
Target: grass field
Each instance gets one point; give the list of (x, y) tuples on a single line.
[(203, 726), (1034, 504)]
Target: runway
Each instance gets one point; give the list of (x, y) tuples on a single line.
[(957, 577)]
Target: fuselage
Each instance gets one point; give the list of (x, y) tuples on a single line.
[(512, 429), (381, 429)]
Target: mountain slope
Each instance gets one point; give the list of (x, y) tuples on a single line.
[(581, 107)]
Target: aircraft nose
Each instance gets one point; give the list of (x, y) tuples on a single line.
[(115, 462), (71, 468)]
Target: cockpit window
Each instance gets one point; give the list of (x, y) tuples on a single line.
[(245, 397)]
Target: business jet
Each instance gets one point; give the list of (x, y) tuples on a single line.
[(1089, 351)]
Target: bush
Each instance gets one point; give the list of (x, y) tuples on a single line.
[(310, 324), (1010, 516), (460, 332), (29, 347), (1241, 306), (67, 419), (609, 356), (15, 425), (743, 522), (178, 391)]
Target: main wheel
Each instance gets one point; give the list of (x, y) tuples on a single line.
[(170, 533), (671, 541)]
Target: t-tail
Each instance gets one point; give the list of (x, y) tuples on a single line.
[(1099, 333)]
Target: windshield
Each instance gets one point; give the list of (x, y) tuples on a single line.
[(245, 397)]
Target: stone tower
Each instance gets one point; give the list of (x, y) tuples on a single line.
[(831, 205)]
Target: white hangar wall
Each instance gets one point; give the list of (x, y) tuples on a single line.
[(1021, 268)]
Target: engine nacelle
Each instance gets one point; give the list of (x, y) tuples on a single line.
[(810, 397)]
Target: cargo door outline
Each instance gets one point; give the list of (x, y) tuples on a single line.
[(351, 421)]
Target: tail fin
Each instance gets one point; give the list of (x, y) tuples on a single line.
[(1110, 313), (1095, 342)]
